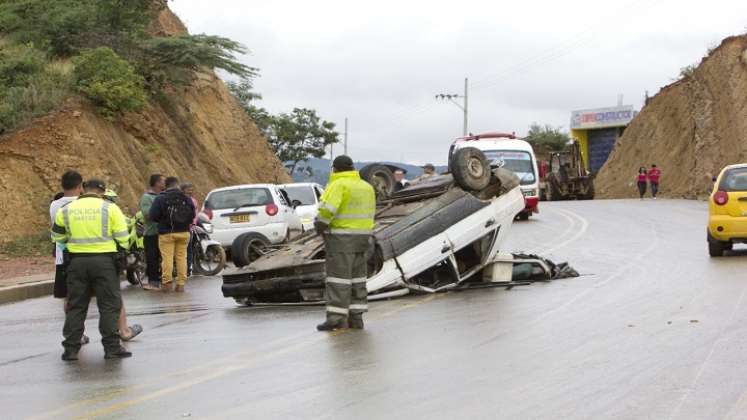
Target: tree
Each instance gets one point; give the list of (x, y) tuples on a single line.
[(176, 59), (547, 138), (300, 135), (243, 91)]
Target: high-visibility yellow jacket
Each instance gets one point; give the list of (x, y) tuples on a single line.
[(90, 225), (348, 204)]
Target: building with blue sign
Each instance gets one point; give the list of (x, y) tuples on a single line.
[(597, 131)]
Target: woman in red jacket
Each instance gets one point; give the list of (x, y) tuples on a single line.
[(653, 178), (642, 178)]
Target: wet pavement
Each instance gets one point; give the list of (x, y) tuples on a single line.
[(653, 329)]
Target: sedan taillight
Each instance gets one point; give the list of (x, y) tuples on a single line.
[(271, 209), (721, 197)]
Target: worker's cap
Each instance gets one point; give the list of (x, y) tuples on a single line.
[(343, 163), (429, 166), (94, 183)]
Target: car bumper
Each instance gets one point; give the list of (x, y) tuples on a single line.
[(728, 228), (275, 232)]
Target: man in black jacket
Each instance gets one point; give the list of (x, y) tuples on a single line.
[(174, 212)]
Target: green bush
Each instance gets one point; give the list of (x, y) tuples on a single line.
[(30, 86), (109, 81)]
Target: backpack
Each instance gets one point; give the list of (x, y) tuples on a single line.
[(179, 209)]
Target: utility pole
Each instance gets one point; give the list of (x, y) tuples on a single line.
[(345, 144), (464, 106)]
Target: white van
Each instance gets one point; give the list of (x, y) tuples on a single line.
[(507, 151), (262, 208)]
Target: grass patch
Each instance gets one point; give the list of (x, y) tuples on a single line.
[(38, 244)]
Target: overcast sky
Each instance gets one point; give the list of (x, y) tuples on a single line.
[(381, 63)]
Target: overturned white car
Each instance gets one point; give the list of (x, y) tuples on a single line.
[(429, 237)]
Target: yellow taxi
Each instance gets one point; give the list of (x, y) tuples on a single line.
[(727, 210)]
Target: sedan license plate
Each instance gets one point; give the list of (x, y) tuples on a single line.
[(242, 218)]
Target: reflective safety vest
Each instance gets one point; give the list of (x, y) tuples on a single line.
[(348, 204), (90, 225)]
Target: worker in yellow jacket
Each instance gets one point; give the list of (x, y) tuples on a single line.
[(90, 228), (346, 219)]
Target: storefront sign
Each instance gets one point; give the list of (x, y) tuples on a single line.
[(618, 116)]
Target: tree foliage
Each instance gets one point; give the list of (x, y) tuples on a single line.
[(65, 29), (300, 135), (294, 136), (175, 59), (109, 81), (547, 137)]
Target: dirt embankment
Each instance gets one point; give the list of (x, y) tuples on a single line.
[(691, 129), (198, 133)]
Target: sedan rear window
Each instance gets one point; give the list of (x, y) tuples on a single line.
[(245, 197), (734, 180), (302, 193)]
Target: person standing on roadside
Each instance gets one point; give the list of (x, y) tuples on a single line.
[(653, 178), (428, 171), (641, 181), (91, 228), (72, 186), (346, 219), (189, 190), (157, 184), (174, 212)]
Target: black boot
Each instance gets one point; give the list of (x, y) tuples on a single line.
[(119, 353), (356, 322), (70, 355), (331, 325)]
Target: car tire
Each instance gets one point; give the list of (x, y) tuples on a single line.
[(247, 247), (716, 248), (470, 169), (380, 177)]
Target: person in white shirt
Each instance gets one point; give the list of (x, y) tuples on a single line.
[(399, 180)]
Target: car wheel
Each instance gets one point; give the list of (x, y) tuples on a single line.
[(380, 177), (247, 247), (470, 169), (716, 248)]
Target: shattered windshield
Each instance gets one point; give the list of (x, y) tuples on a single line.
[(517, 162)]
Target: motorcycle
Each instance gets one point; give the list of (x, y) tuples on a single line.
[(208, 256), (134, 259)]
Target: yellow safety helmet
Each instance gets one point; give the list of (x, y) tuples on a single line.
[(111, 195)]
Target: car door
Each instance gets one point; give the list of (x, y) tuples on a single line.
[(427, 254), (286, 210)]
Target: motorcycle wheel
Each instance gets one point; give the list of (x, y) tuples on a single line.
[(135, 272), (212, 262)]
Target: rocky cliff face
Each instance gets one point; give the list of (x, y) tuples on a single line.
[(198, 134), (691, 129)]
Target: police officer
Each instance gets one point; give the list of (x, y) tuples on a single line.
[(346, 218), (91, 228)]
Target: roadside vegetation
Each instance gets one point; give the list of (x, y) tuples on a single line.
[(50, 49), (545, 139), (295, 136)]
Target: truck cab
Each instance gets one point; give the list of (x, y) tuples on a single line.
[(509, 152)]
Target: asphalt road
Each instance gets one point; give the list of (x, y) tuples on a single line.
[(653, 329)]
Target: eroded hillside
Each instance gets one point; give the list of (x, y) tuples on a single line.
[(198, 133), (690, 129)]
